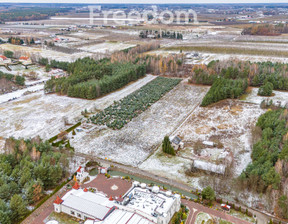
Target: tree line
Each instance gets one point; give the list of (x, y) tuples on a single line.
[(28, 167), (266, 75), (266, 30), (34, 13), (155, 64), (257, 74), (261, 173)]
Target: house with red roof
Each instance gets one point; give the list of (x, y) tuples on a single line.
[(25, 60), (4, 60)]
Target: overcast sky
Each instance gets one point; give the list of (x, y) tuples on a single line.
[(147, 1)]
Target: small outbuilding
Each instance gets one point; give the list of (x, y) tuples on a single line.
[(176, 142)]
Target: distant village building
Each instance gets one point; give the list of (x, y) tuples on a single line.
[(25, 60), (4, 60), (57, 73), (38, 42), (176, 142)]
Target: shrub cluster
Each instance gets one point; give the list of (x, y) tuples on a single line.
[(19, 80), (223, 89)]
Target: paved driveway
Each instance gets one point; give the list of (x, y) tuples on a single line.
[(195, 209)]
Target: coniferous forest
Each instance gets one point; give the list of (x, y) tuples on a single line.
[(90, 79), (261, 173), (28, 168)]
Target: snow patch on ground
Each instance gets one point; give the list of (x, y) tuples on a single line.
[(106, 47), (133, 143), (40, 114), (280, 96)]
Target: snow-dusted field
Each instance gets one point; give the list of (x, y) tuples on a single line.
[(279, 96), (229, 122), (132, 144), (16, 94), (20, 70), (106, 47), (40, 114), (205, 58)]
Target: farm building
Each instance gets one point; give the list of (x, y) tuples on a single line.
[(176, 142), (57, 73), (25, 60), (207, 166)]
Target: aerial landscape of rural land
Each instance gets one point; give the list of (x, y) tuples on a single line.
[(143, 112)]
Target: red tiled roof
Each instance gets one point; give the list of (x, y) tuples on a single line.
[(110, 199), (79, 169), (76, 186), (58, 201), (85, 189), (24, 58), (3, 57)]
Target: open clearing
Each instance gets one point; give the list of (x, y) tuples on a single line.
[(40, 114), (108, 47), (279, 96), (228, 122), (135, 141)]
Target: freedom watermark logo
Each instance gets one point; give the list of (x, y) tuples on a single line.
[(153, 16)]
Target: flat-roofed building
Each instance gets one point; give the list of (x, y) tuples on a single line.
[(140, 204), (84, 205)]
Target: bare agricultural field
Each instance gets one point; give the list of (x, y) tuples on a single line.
[(40, 114), (133, 143), (106, 47), (228, 122), (205, 58), (232, 50)]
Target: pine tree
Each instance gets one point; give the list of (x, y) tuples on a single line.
[(18, 207), (167, 147)]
